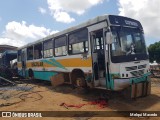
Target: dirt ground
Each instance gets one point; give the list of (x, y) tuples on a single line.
[(41, 96)]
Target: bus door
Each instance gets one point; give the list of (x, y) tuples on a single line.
[(23, 61), (98, 58)]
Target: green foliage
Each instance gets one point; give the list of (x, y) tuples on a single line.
[(154, 52)]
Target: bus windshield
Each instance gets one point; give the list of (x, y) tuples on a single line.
[(127, 42)]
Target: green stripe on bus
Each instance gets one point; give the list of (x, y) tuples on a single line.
[(44, 75), (53, 62)]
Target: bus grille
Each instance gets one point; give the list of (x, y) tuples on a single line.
[(142, 66), (135, 67), (137, 73), (131, 68)]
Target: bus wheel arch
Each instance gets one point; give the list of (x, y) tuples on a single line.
[(78, 78), (30, 73)]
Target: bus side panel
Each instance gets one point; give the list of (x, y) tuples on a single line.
[(44, 69), (44, 75)]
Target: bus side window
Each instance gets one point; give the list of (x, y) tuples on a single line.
[(30, 53), (60, 46), (37, 51), (78, 42), (48, 48)]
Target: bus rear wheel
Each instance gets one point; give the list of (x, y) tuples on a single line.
[(80, 82)]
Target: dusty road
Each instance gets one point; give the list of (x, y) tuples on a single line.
[(43, 97)]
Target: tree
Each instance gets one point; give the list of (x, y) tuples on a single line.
[(154, 52)]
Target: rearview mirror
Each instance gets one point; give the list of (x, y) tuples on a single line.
[(109, 38)]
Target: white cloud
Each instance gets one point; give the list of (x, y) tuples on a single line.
[(60, 9), (63, 17), (42, 10), (9, 41), (19, 34), (146, 11)]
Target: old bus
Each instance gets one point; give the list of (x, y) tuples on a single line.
[(107, 52)]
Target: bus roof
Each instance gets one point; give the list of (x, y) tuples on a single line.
[(82, 25)]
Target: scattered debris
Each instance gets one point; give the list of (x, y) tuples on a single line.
[(27, 92), (8, 104), (76, 106), (101, 102), (18, 88), (155, 71), (6, 80)]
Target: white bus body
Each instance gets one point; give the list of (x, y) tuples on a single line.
[(107, 52)]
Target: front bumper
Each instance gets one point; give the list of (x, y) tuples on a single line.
[(120, 84)]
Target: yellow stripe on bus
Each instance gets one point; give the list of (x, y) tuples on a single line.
[(76, 62), (70, 62), (19, 65)]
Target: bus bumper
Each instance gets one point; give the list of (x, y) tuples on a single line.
[(120, 84), (135, 87)]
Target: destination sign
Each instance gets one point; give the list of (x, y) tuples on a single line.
[(124, 21)]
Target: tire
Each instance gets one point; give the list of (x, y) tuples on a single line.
[(80, 82)]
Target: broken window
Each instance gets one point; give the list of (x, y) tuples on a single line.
[(60, 46), (78, 42), (48, 48), (38, 51)]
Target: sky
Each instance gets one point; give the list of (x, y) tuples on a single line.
[(25, 21)]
